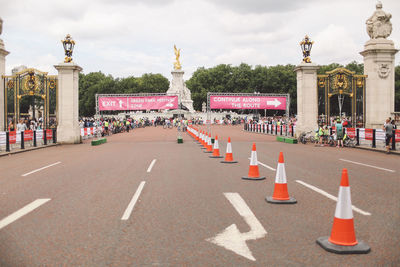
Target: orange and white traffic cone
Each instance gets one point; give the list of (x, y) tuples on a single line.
[(229, 154), (254, 173), (281, 194), (216, 149), (204, 141), (208, 145), (343, 238)]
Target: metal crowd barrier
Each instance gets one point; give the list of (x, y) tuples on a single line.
[(363, 136), (11, 140)]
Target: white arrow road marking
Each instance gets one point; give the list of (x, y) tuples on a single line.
[(275, 102), (234, 240), (22, 212)]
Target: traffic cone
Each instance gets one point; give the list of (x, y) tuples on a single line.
[(208, 145), (228, 155), (343, 238), (216, 149), (205, 141), (281, 195), (254, 173)]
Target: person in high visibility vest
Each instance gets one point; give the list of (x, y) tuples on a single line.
[(106, 127), (321, 135), (326, 133), (128, 125)]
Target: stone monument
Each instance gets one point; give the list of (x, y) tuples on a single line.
[(3, 54), (178, 86), (379, 59), (68, 131), (307, 98)]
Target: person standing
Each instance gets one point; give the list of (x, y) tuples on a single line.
[(339, 133), (388, 128)]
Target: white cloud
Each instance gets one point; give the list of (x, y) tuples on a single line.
[(132, 37)]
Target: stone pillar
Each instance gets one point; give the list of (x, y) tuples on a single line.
[(3, 54), (68, 131), (379, 66), (307, 98)]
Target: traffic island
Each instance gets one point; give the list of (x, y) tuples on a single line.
[(288, 140), (99, 141)]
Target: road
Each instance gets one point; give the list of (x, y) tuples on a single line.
[(174, 199)]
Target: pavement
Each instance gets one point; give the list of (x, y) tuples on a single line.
[(141, 199)]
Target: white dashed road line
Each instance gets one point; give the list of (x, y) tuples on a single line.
[(151, 165), (45, 167), (363, 164), (131, 205), (25, 210), (322, 192), (266, 166)]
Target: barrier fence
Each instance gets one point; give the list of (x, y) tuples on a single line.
[(22, 139), (364, 137)]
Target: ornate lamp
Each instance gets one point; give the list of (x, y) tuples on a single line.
[(306, 46), (68, 44)]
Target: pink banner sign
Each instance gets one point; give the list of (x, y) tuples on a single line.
[(247, 102), (138, 102)]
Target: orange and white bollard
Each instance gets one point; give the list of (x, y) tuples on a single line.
[(216, 149), (254, 173), (229, 154), (343, 238), (281, 194)]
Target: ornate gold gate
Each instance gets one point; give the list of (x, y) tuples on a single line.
[(342, 81), (34, 89)]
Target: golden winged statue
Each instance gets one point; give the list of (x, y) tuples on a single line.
[(177, 64)]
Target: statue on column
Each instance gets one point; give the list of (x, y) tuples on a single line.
[(177, 64), (379, 25), (1, 30)]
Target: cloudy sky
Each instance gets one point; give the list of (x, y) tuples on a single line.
[(132, 37)]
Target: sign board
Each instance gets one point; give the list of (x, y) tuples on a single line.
[(137, 102), (247, 102)]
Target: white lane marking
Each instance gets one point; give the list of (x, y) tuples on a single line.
[(265, 165), (45, 167), (379, 168), (231, 238), (21, 212), (131, 205), (151, 165), (322, 192)]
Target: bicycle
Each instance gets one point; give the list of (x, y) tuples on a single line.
[(306, 137)]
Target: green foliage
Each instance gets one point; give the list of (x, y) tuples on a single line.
[(221, 78), (98, 83)]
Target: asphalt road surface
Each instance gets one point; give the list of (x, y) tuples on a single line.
[(141, 199)]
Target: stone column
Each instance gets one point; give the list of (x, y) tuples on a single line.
[(178, 87), (307, 98), (68, 131), (379, 65), (3, 54)]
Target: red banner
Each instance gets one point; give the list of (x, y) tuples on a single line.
[(138, 102), (28, 135), (49, 134), (397, 135), (247, 102), (13, 137), (368, 134), (351, 132)]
